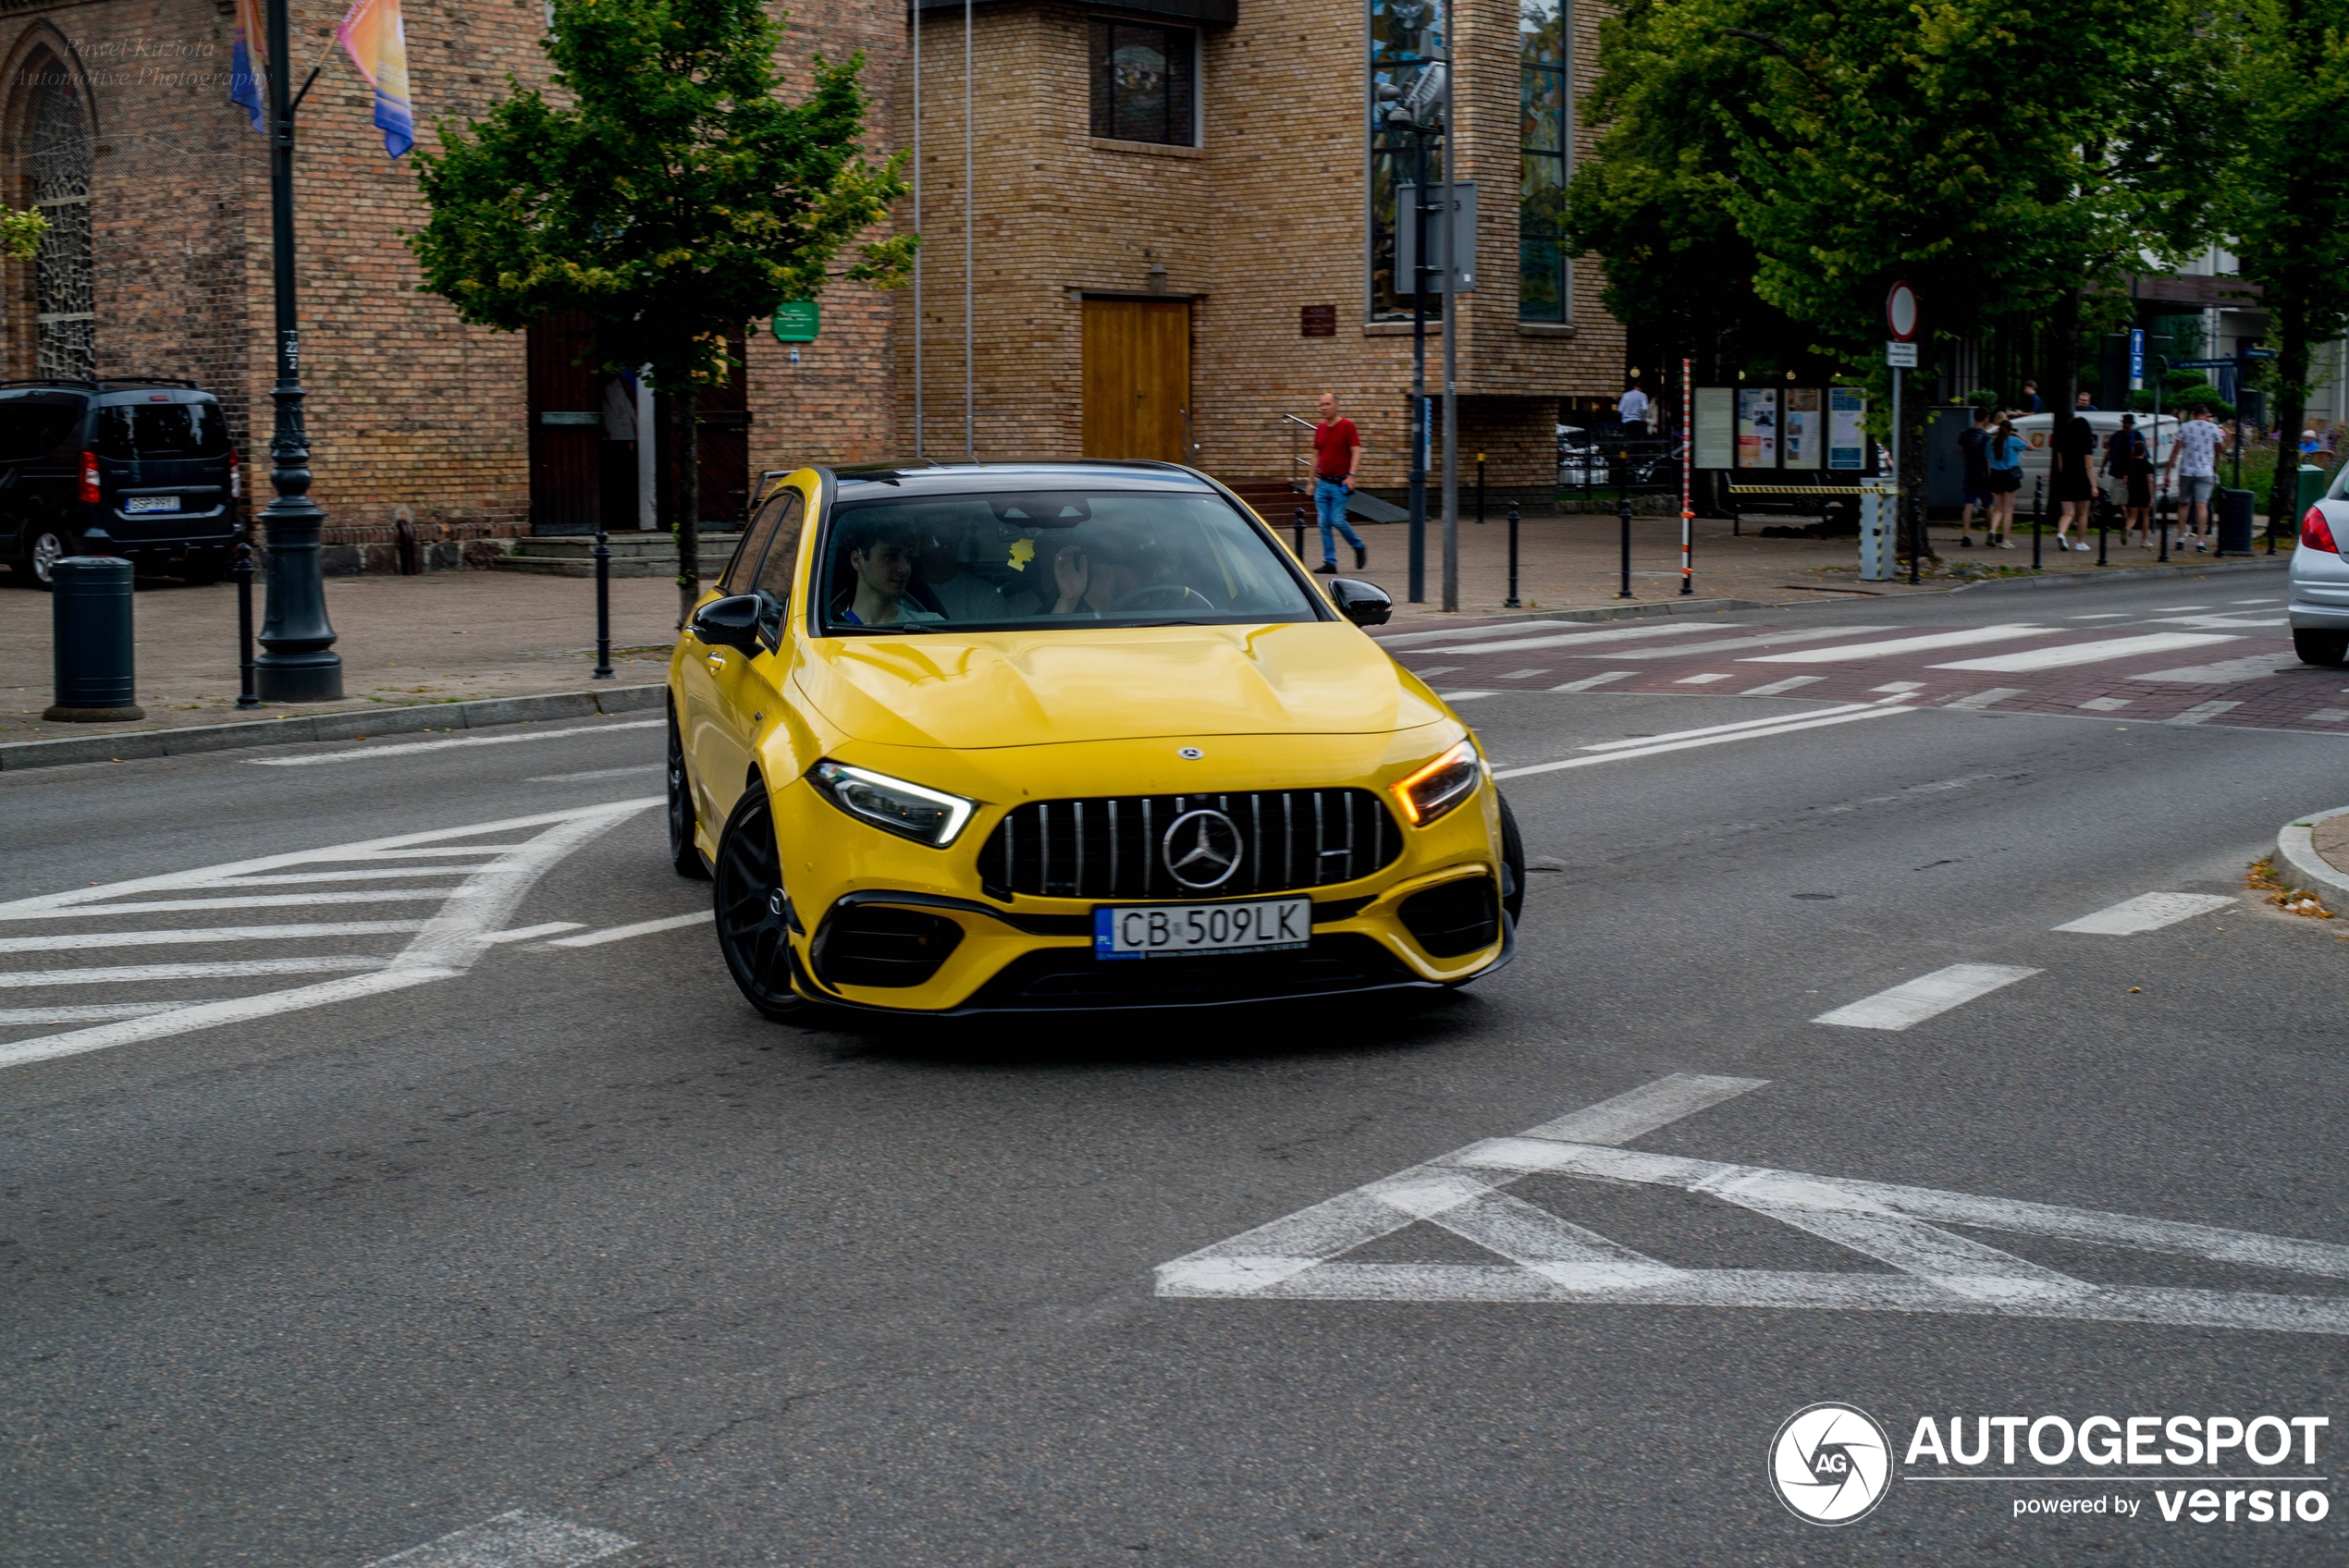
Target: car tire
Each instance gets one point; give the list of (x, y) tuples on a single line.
[(1512, 864), (45, 546), (684, 853), (753, 935), (2327, 648)]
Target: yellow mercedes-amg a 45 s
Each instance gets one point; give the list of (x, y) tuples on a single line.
[(980, 739)]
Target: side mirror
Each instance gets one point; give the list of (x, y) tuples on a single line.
[(1364, 604), (729, 623)]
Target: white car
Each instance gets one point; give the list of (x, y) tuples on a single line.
[(2320, 603)]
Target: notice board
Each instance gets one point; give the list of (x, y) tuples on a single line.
[(1715, 437), (1757, 427)]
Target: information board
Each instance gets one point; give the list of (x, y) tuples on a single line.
[(1716, 428), (1802, 444), (1847, 427), (1757, 427)]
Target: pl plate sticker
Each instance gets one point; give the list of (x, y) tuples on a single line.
[(1831, 1464)]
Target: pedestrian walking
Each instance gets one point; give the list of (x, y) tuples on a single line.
[(2003, 456), (2129, 466), (1974, 458), (2193, 455), (1337, 446), (1631, 410), (2072, 484)]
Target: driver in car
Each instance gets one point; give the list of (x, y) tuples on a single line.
[(880, 564), (1097, 577)]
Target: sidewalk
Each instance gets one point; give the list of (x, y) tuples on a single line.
[(456, 636)]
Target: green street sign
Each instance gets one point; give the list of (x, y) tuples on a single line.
[(797, 321)]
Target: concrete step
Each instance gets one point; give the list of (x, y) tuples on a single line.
[(632, 555)]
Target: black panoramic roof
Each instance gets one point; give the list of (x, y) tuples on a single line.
[(925, 478)]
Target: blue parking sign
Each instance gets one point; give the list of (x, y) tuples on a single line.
[(2136, 357)]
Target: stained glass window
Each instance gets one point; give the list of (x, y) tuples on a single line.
[(1545, 136), (64, 313), (1144, 82), (1407, 39)]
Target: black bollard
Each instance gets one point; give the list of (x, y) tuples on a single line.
[(2104, 529), (1299, 525), (246, 696), (1510, 603), (603, 670), (1623, 512), (2161, 515), (1479, 490), (90, 640), (2037, 520), (1916, 538)]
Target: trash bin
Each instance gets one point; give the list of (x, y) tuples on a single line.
[(90, 640), (2234, 523), (2312, 490)]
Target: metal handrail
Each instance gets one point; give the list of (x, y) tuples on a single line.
[(1293, 459)]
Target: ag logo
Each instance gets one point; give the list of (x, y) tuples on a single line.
[(1831, 1464)]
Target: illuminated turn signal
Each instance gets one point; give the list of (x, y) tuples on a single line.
[(1440, 785)]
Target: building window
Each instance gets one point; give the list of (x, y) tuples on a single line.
[(65, 312), (1406, 37), (1545, 134), (1144, 82)]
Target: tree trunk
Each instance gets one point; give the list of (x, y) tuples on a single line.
[(2291, 400), (684, 413)]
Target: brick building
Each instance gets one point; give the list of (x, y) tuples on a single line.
[(1184, 233)]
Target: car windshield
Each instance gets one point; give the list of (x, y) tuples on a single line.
[(1058, 558), (162, 430)]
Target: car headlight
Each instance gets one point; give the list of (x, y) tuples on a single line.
[(1441, 785), (926, 816)]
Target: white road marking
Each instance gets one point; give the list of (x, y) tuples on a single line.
[(2226, 621), (2090, 653), (306, 878), (1464, 696), (1734, 645), (598, 774), (1919, 644), (2110, 615), (2326, 716), (1587, 682), (2226, 672), (1413, 638), (447, 945), (2267, 601), (1544, 1257), (1927, 996), (1664, 743), (2107, 704), (87, 1012), (531, 933), (2147, 911), (1900, 686), (1981, 700), (70, 941), (116, 975), (511, 1541), (1789, 684), (2165, 610), (2202, 713), (1522, 674), (642, 929), (1432, 671), (411, 748), (1699, 679), (1576, 639), (1770, 723), (258, 900)]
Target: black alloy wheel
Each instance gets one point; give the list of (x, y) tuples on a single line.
[(2329, 649), (1512, 864), (684, 853), (749, 897)]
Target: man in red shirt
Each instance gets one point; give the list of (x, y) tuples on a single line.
[(1336, 446)]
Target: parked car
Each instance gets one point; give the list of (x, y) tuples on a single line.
[(1043, 736), (138, 469), (2318, 604)]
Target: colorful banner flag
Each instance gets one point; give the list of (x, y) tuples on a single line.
[(244, 64), (377, 45)]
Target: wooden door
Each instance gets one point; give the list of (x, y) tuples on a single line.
[(724, 414), (566, 426), (1137, 378)]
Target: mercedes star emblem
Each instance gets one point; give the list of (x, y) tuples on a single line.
[(1201, 849)]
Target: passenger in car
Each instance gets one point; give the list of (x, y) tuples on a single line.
[(879, 558)]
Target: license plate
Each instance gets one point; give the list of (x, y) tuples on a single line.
[(151, 504), (1182, 930)]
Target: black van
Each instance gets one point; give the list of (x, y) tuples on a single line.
[(138, 469)]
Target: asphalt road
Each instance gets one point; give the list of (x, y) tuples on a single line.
[(567, 1239)]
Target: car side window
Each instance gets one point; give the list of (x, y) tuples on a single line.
[(773, 583), (742, 570)]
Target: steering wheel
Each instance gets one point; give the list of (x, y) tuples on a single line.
[(1163, 597)]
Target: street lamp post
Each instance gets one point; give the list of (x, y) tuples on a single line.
[(1418, 544), (297, 662)]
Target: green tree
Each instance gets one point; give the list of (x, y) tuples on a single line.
[(665, 190), (2287, 196), (21, 233)]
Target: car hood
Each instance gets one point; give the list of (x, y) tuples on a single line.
[(981, 689)]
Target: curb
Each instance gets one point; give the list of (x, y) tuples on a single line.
[(2296, 844), (138, 745)]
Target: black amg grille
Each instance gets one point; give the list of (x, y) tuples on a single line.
[(1071, 977), (876, 945), (1110, 846)]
